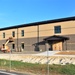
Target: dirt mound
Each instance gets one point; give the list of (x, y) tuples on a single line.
[(66, 53)]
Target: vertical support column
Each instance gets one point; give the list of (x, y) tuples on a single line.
[(62, 45), (66, 45), (47, 46), (51, 46), (17, 40), (38, 36), (47, 49)]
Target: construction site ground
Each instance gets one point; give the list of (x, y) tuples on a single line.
[(38, 52), (46, 57), (54, 57)]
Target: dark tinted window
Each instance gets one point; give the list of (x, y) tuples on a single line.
[(13, 33), (13, 46), (22, 45), (57, 29), (3, 35), (22, 32)]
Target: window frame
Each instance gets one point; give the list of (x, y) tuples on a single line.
[(3, 34), (13, 33), (13, 46), (22, 33), (57, 29), (22, 45)]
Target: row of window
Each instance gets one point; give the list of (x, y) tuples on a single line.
[(13, 33), (57, 29), (14, 47), (22, 33)]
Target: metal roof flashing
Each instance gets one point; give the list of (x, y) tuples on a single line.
[(40, 23)]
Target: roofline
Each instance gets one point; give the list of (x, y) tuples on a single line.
[(41, 22)]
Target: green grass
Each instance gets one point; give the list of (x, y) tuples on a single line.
[(68, 69)]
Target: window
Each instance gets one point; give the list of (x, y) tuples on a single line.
[(57, 29), (22, 45), (13, 46), (13, 33), (3, 35), (22, 32)]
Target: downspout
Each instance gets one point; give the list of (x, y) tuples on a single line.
[(66, 45), (63, 45), (38, 36), (17, 40)]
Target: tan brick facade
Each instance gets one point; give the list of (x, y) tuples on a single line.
[(36, 32)]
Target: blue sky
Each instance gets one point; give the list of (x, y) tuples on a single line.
[(16, 12)]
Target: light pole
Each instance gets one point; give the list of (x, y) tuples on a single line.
[(47, 57), (10, 60)]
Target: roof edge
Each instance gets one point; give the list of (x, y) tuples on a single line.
[(41, 22)]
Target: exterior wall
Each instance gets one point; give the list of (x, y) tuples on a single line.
[(34, 34), (8, 33), (30, 31), (29, 39), (67, 28), (28, 43), (71, 42)]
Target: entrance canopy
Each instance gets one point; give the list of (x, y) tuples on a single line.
[(51, 39), (40, 43), (56, 38)]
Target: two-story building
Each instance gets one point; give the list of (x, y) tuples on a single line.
[(56, 34)]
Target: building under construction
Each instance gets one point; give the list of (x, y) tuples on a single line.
[(56, 34)]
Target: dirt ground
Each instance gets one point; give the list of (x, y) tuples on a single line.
[(66, 53)]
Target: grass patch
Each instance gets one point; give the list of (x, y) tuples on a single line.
[(20, 66)]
